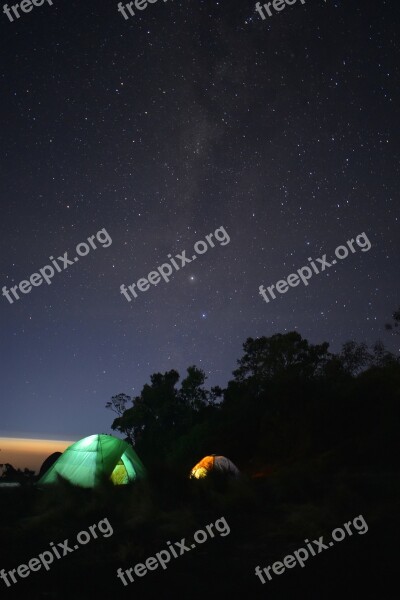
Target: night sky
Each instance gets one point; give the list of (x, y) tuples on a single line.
[(190, 116)]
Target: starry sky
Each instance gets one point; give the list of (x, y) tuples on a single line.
[(189, 116)]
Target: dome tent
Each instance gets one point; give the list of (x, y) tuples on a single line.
[(49, 462), (94, 459), (214, 463)]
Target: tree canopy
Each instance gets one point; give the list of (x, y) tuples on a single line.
[(287, 397)]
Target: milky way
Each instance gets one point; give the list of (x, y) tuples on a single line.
[(189, 116)]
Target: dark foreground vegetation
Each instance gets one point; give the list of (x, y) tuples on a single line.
[(315, 437)]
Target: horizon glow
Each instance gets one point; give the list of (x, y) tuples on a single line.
[(29, 452)]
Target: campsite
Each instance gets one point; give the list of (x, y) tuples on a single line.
[(199, 300), (291, 479)]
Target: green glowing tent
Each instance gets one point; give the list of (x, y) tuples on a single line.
[(94, 459)]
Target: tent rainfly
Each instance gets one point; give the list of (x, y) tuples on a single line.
[(216, 463), (94, 459)]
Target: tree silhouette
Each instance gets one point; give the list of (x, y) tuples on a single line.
[(288, 399), (119, 405), (281, 354), (162, 411), (393, 327), (354, 357)]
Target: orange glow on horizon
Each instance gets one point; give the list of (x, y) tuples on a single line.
[(27, 452)]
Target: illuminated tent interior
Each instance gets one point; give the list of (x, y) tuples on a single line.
[(94, 459), (216, 463)]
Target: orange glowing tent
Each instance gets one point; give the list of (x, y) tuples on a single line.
[(214, 463)]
